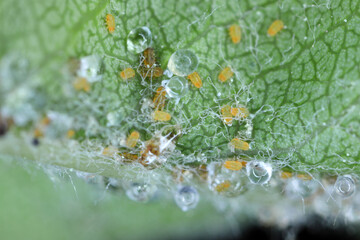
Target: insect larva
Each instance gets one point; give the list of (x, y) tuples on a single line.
[(235, 33), (226, 114), (161, 116), (195, 79), (225, 74), (223, 186), (110, 22), (132, 139), (82, 84), (160, 98), (233, 165), (275, 27), (127, 73), (239, 144), (240, 112)]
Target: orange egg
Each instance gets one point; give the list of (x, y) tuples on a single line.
[(195, 79), (233, 165), (275, 27), (225, 74), (226, 114), (239, 144), (161, 116), (235, 33), (127, 73), (110, 22), (132, 139)]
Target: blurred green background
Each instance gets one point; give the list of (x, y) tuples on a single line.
[(32, 206)]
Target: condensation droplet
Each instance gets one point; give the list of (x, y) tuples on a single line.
[(187, 198), (259, 172), (139, 39), (183, 62), (176, 87), (345, 186), (140, 192), (90, 68)]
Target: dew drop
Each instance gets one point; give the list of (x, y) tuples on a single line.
[(345, 186), (140, 192), (176, 87), (259, 172), (183, 62), (139, 39), (187, 198), (90, 68)]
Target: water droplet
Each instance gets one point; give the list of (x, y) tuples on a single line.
[(176, 87), (140, 192), (183, 62), (187, 198), (258, 172), (90, 68), (345, 186), (139, 39)]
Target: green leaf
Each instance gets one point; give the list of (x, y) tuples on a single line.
[(301, 86)]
